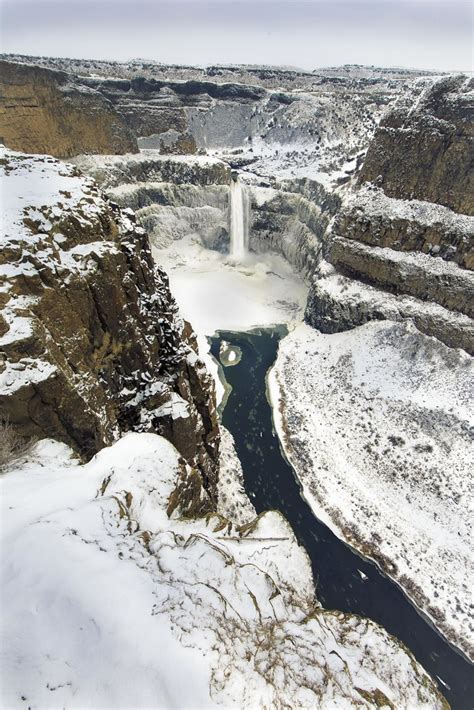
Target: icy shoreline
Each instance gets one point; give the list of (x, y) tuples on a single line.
[(398, 510)]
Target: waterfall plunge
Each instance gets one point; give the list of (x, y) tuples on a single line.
[(239, 206)]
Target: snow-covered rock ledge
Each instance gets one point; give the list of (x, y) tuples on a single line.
[(377, 424), (91, 340), (108, 602)]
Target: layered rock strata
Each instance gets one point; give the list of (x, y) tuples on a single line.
[(292, 220), (172, 196), (277, 120), (149, 166), (403, 248), (91, 340), (48, 111), (423, 149)]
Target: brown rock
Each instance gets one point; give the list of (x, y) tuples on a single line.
[(424, 149), (92, 343), (48, 111)]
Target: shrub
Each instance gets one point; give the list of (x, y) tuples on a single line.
[(12, 445)]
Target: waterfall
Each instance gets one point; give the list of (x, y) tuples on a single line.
[(238, 220)]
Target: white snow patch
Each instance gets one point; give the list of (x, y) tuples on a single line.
[(213, 293), (109, 603), (377, 423)]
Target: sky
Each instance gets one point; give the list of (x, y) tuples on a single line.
[(424, 34)]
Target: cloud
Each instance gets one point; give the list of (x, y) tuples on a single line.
[(432, 34)]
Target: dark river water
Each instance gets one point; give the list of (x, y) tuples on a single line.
[(271, 484)]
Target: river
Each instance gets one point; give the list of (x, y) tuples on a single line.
[(344, 579)]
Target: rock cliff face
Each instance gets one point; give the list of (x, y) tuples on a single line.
[(48, 111), (92, 344), (403, 248), (274, 119), (292, 219), (391, 237), (172, 196), (424, 150)]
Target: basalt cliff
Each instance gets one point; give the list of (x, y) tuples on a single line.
[(95, 354), (91, 340), (49, 111), (401, 246)]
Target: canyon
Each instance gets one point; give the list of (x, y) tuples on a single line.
[(336, 204)]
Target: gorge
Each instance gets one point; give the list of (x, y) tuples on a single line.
[(328, 380)]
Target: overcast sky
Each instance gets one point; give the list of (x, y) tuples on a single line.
[(428, 34)]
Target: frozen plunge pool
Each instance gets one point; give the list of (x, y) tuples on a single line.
[(344, 580)]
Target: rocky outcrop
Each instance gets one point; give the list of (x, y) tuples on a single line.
[(292, 220), (48, 111), (172, 196), (165, 114), (407, 225), (91, 340), (414, 274), (170, 212), (337, 303), (298, 118), (113, 171), (424, 150), (405, 257)]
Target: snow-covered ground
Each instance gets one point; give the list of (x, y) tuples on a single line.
[(377, 423), (213, 292), (107, 602)]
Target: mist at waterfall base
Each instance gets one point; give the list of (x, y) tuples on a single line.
[(344, 580), (236, 290)]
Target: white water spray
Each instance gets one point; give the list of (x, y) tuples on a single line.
[(238, 220)]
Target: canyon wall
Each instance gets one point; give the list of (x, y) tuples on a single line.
[(91, 341), (292, 219), (49, 111), (424, 149), (402, 244), (172, 196), (267, 118)]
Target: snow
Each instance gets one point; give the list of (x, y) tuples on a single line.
[(38, 192), (109, 603), (23, 197), (114, 170), (213, 293), (371, 420), (352, 296), (373, 203), (232, 500), (176, 407), (26, 372)]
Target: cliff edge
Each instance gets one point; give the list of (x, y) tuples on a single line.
[(48, 111), (91, 342)]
